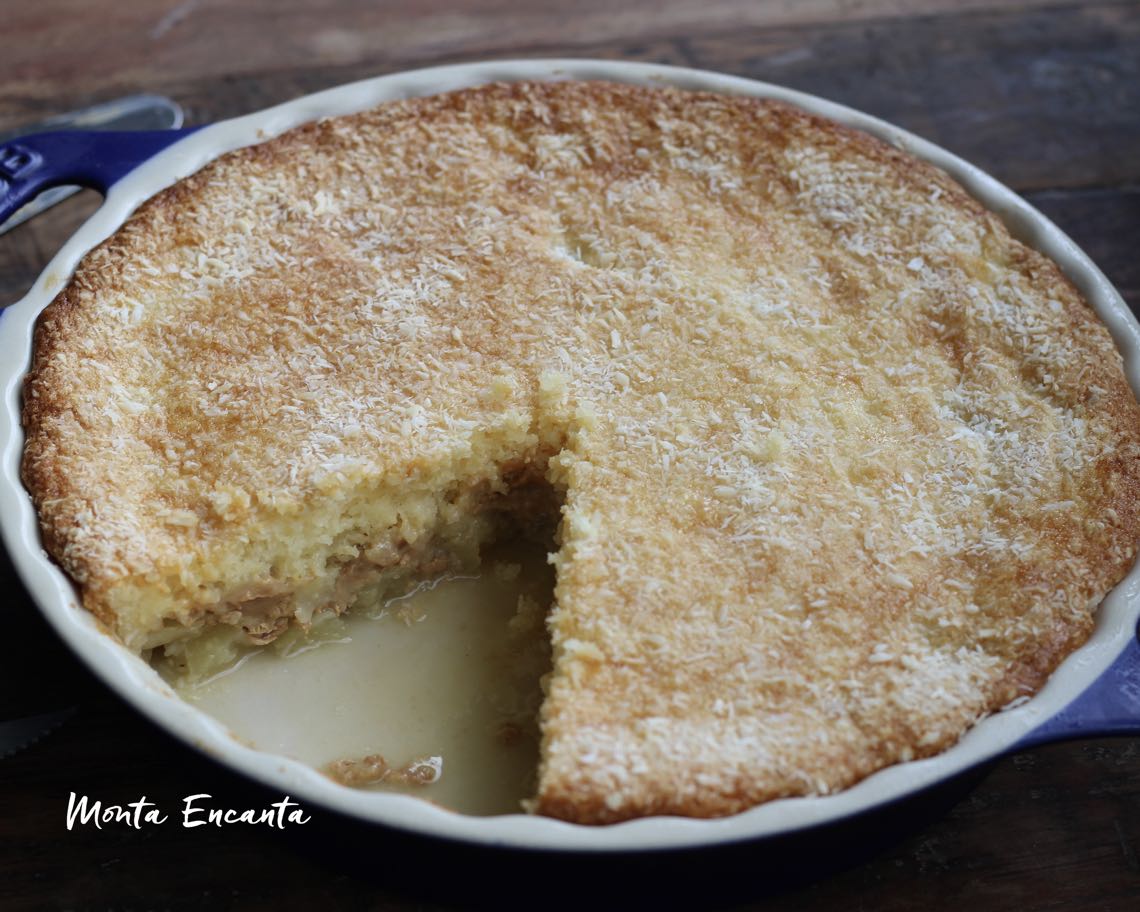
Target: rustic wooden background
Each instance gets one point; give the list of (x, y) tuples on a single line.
[(1044, 95)]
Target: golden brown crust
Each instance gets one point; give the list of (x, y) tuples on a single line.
[(846, 466)]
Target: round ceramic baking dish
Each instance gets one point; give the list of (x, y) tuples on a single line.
[(1095, 691)]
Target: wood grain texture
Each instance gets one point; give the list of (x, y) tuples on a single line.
[(56, 47), (1045, 95)]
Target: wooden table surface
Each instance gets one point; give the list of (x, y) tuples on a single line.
[(1043, 95)]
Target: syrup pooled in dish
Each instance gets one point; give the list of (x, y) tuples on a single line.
[(435, 693), (837, 465)]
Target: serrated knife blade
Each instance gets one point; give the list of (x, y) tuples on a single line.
[(16, 734)]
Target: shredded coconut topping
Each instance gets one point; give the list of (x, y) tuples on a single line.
[(845, 466)]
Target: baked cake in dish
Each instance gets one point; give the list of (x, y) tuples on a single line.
[(837, 465)]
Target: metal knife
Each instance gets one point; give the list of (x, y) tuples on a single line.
[(16, 734)]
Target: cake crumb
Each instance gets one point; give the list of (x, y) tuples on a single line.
[(373, 769)]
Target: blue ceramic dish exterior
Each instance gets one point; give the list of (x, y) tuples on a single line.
[(31, 164)]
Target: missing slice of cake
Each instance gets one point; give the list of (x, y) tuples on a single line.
[(838, 466)]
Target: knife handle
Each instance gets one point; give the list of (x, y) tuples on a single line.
[(1108, 706), (34, 163)]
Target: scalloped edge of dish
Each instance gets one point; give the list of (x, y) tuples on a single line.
[(140, 686)]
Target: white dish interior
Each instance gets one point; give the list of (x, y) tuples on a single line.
[(136, 682)]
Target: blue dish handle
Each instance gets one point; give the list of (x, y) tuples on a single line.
[(96, 159), (1109, 706)]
